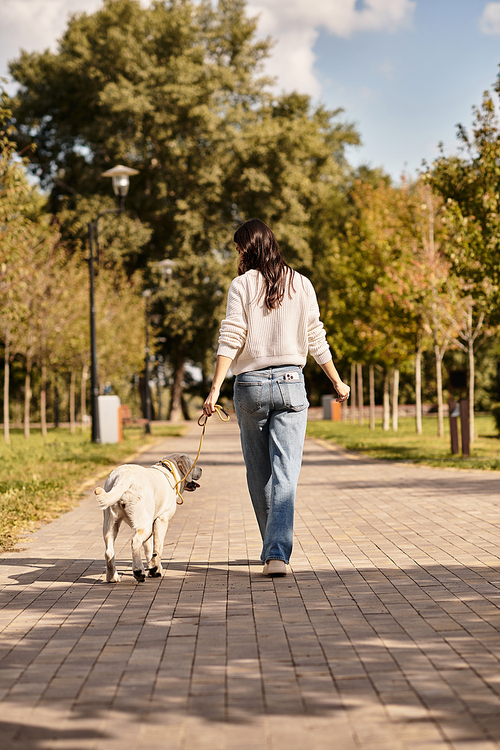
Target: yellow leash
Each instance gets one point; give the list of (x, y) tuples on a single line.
[(202, 422)]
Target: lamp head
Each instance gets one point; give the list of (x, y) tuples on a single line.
[(166, 267), (120, 176)]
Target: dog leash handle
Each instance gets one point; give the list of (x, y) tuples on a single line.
[(202, 419)]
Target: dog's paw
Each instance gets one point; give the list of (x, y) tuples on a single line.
[(154, 572), (114, 579), (139, 576)]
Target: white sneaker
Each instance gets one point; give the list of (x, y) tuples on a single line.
[(274, 568)]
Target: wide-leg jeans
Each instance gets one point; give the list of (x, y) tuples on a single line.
[(271, 408)]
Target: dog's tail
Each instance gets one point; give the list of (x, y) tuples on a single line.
[(106, 499)]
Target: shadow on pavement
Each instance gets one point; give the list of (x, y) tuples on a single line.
[(215, 641)]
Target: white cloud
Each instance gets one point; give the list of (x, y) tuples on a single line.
[(489, 23), (36, 24), (296, 25)]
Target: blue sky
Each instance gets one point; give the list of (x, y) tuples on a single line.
[(405, 71), (407, 90)]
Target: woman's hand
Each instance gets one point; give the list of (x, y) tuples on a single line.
[(210, 401), (221, 368), (343, 391)]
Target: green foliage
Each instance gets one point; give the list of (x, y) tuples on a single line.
[(14, 191), (44, 288), (175, 90), (44, 296), (288, 164), (119, 239), (495, 413), (368, 319), (470, 185)]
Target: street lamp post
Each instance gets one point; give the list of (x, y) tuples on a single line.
[(121, 177), (160, 376)]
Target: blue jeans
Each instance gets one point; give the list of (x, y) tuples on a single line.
[(271, 408)]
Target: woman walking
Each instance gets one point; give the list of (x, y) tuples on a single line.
[(272, 322)]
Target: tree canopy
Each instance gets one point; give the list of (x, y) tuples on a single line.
[(176, 90)]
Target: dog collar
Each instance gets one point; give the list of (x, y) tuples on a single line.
[(166, 465)]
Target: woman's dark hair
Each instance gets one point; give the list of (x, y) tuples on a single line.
[(259, 250)]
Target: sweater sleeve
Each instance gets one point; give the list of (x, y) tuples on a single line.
[(233, 330), (316, 334)]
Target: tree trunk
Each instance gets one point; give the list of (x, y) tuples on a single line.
[(418, 391), (344, 409), (43, 401), (371, 371), (352, 407), (56, 406), (387, 403), (360, 395), (27, 403), (395, 399), (185, 410), (72, 389), (472, 374), (83, 396), (439, 386), (6, 377), (175, 414)]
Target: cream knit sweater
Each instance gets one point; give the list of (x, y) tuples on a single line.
[(255, 337)]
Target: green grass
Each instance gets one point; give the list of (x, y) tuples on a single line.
[(405, 445), (39, 477)]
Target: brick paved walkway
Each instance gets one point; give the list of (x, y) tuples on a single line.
[(385, 636)]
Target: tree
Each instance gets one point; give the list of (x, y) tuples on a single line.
[(64, 333), (120, 326), (14, 276), (470, 186), (367, 309), (39, 245), (419, 278), (466, 330)]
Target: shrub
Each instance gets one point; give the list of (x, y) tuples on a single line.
[(495, 413)]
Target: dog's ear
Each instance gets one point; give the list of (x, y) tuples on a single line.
[(184, 463)]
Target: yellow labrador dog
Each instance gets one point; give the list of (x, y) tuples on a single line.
[(146, 499)]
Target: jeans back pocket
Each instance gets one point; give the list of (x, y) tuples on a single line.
[(248, 396), (293, 393)]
